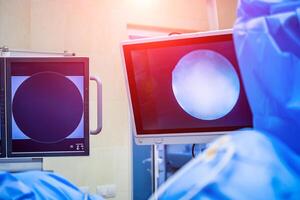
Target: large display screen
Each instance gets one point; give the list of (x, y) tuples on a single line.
[(186, 85), (2, 110), (48, 106)]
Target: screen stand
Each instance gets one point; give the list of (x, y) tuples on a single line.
[(158, 166), (21, 164)]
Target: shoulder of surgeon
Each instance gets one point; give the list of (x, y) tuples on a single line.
[(242, 165)]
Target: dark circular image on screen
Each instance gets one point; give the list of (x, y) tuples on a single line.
[(47, 107)]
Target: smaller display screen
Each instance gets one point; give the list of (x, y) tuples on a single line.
[(48, 111), (2, 110), (186, 85)]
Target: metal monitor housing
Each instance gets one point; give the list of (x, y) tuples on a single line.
[(169, 138)]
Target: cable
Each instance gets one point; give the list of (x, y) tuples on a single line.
[(193, 150)]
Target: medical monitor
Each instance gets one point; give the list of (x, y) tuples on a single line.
[(47, 106), (2, 110), (185, 88)]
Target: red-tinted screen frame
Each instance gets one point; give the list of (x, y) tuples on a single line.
[(158, 58)]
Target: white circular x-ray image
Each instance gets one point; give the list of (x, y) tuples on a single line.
[(205, 84)]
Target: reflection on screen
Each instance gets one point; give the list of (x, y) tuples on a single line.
[(205, 84)]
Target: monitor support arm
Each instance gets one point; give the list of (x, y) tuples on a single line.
[(6, 51)]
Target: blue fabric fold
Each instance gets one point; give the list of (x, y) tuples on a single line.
[(39, 185)]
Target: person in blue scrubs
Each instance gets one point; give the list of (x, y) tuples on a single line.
[(263, 163)]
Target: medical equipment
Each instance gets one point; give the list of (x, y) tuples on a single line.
[(44, 112), (47, 105), (184, 88)]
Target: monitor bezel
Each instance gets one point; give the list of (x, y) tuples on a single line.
[(169, 137), (2, 107), (67, 60)]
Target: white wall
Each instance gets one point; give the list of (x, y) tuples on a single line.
[(226, 13), (95, 28), (15, 23)]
